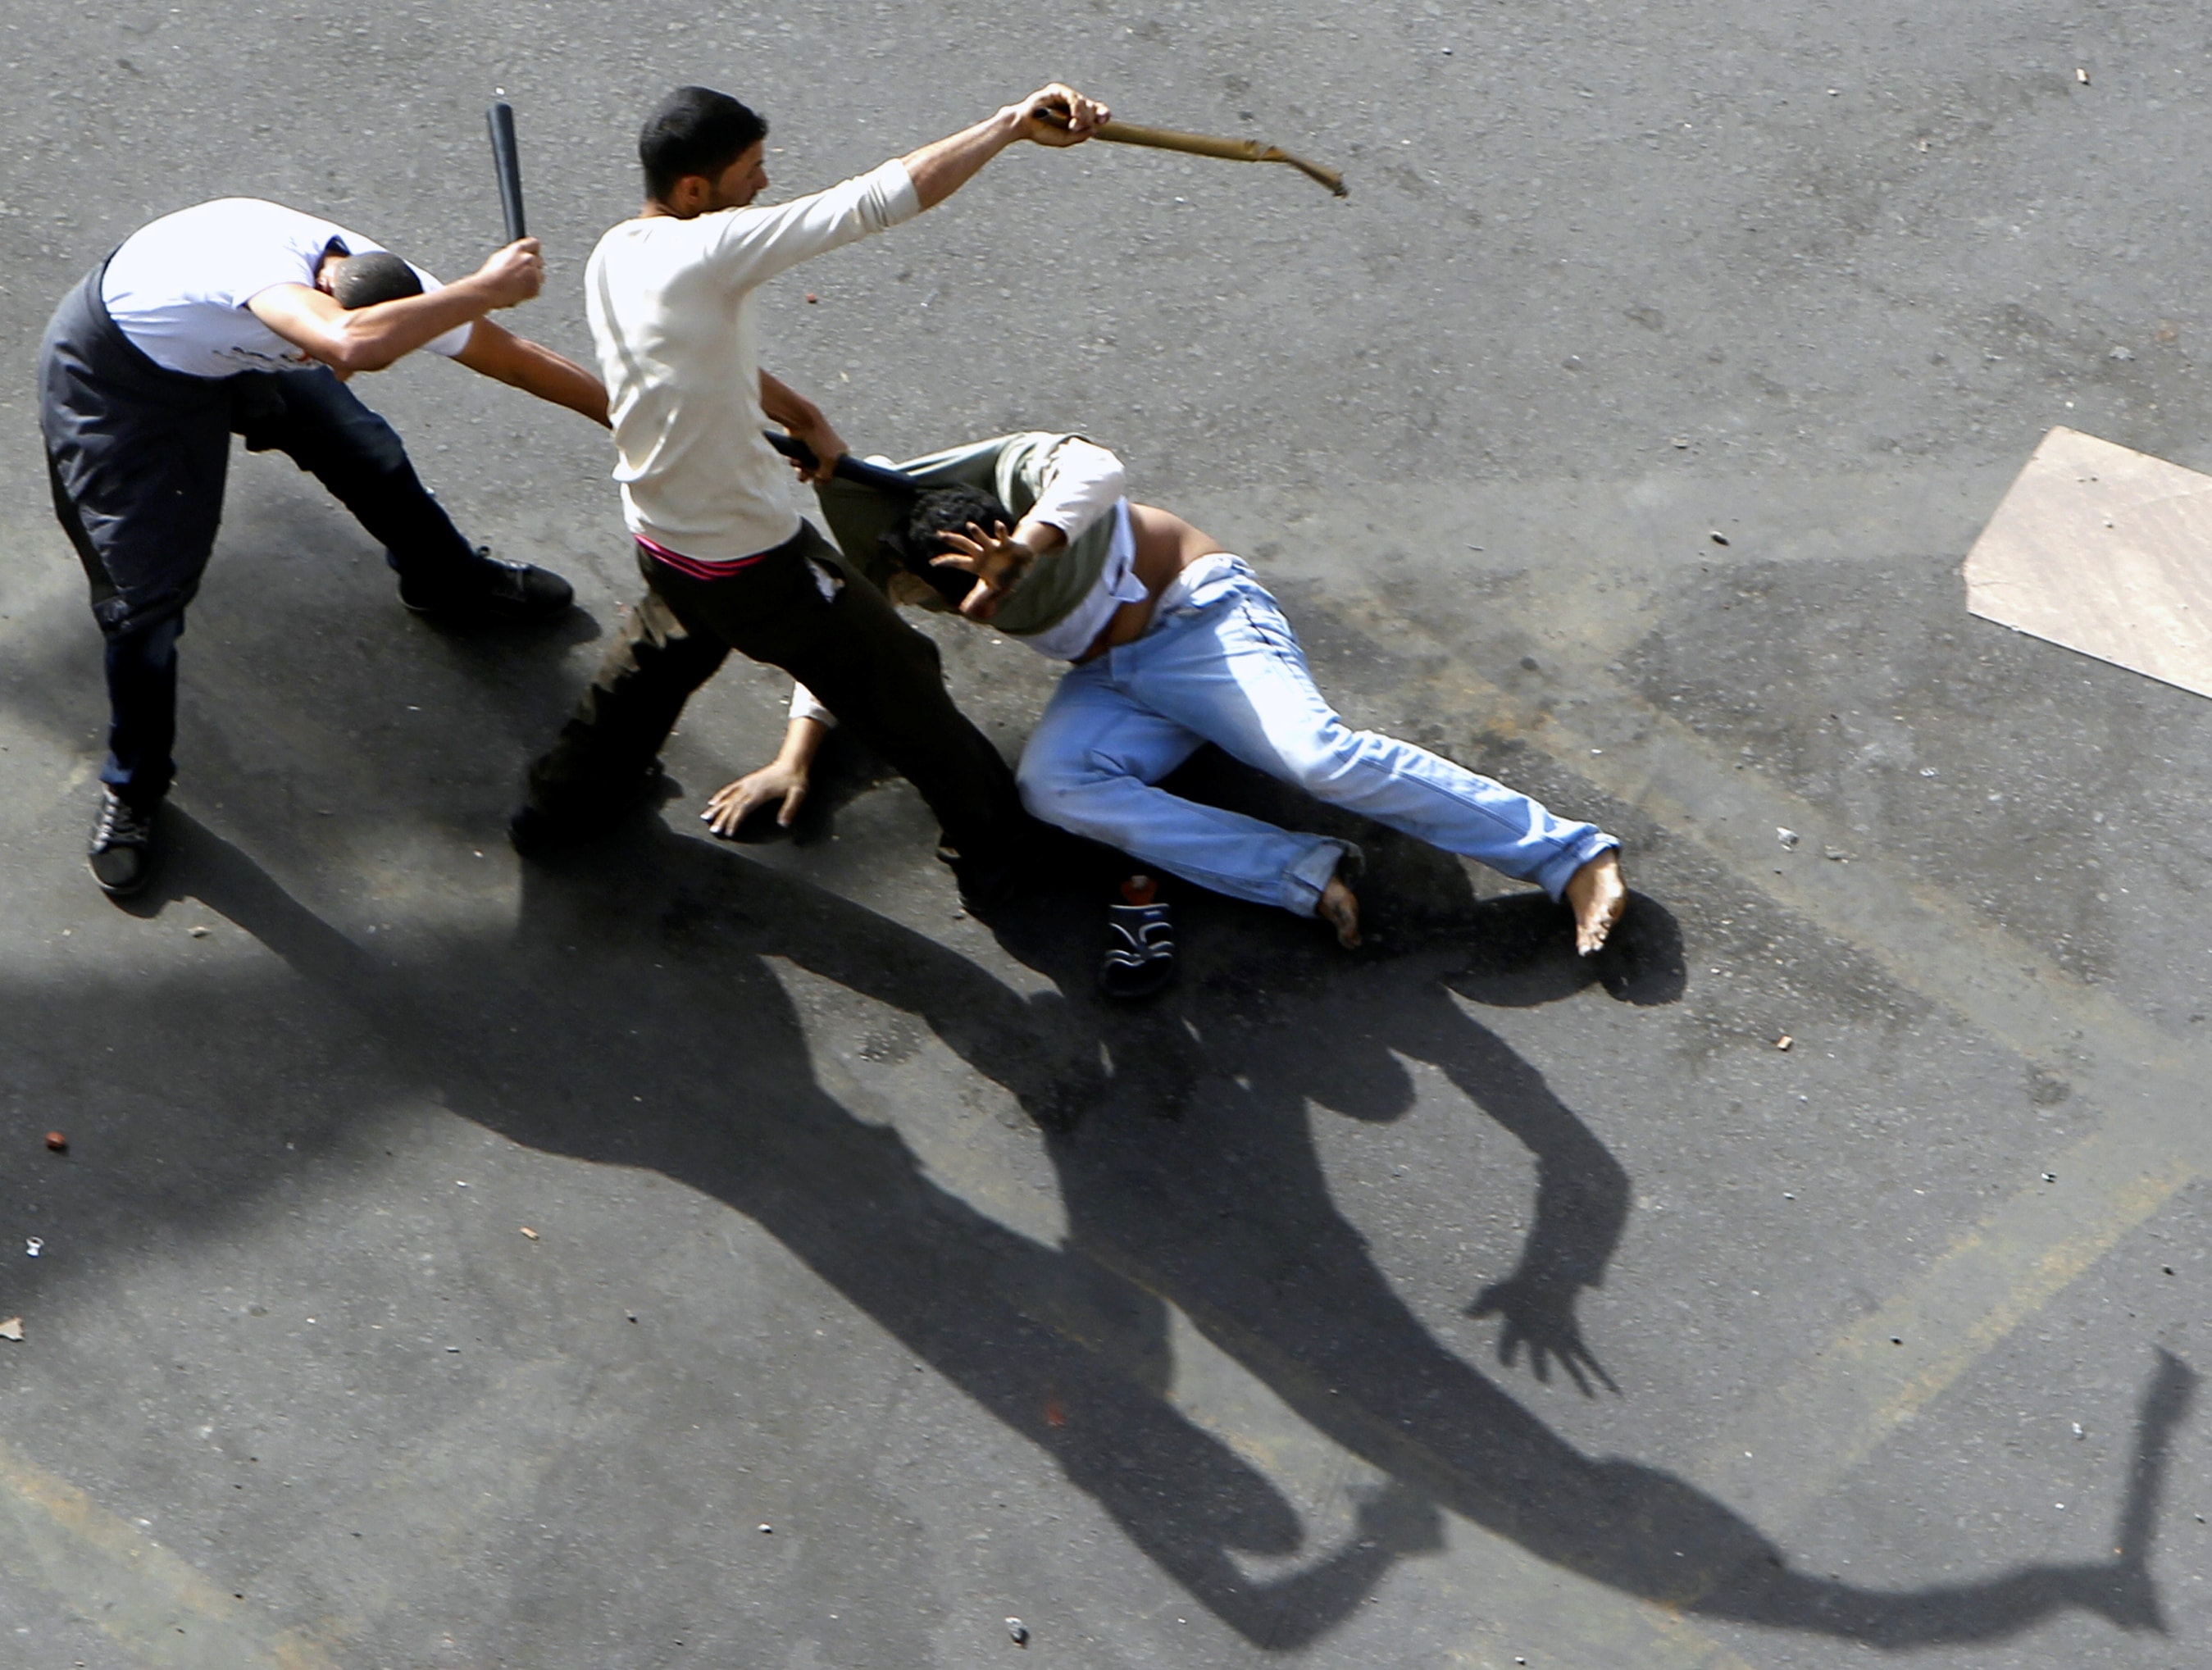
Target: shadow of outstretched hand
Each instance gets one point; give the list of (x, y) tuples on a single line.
[(1540, 1316)]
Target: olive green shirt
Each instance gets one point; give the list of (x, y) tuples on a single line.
[(1017, 468)]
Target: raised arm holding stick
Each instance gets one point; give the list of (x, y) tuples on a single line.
[(727, 564)]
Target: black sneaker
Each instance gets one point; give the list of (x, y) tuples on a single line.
[(1141, 951), (536, 831), (490, 591), (120, 854)]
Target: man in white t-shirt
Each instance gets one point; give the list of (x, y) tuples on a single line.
[(728, 562), (243, 317)]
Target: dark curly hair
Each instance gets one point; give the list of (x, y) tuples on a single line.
[(934, 513)]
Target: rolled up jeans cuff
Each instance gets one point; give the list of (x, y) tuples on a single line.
[(1559, 868), (1304, 881)]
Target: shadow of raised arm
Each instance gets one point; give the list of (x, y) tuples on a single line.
[(1582, 1195)]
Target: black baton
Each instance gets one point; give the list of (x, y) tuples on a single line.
[(505, 159), (848, 467)]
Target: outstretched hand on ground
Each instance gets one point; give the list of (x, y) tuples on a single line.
[(733, 803)]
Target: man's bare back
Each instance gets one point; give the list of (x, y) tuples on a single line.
[(1166, 545)]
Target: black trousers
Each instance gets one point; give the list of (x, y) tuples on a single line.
[(137, 455), (884, 680)]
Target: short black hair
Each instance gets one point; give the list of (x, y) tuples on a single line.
[(935, 512), (362, 281), (695, 131)]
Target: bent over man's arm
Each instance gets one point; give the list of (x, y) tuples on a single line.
[(497, 352), (370, 338)]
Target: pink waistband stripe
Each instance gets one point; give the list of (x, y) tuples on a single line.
[(691, 565)]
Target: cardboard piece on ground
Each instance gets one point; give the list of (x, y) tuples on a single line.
[(2106, 551)]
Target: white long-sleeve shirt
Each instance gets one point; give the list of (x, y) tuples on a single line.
[(670, 303)]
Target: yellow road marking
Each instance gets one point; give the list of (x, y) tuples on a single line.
[(1806, 1435), (157, 1607)]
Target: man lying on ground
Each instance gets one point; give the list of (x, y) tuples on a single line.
[(240, 317), (1174, 643), (728, 563)]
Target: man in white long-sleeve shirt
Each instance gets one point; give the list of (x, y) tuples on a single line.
[(728, 563), (1175, 643)]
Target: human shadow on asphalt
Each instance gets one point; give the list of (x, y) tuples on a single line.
[(651, 960), (677, 1006)]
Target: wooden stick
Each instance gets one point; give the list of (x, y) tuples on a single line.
[(1205, 145)]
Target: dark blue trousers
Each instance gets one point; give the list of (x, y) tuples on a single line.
[(136, 456)]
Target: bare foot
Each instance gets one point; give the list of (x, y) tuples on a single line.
[(1598, 896), (1341, 910)]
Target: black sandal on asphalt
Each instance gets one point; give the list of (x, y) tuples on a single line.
[(491, 591), (1140, 950), (120, 854)]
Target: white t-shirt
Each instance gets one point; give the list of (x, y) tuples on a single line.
[(673, 318), (178, 286)]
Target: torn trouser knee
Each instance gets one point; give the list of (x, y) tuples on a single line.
[(629, 709)]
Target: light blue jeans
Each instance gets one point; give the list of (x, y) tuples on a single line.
[(1219, 664)]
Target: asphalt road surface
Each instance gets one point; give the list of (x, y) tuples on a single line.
[(1450, 1303)]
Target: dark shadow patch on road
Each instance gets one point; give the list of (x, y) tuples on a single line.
[(650, 965)]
